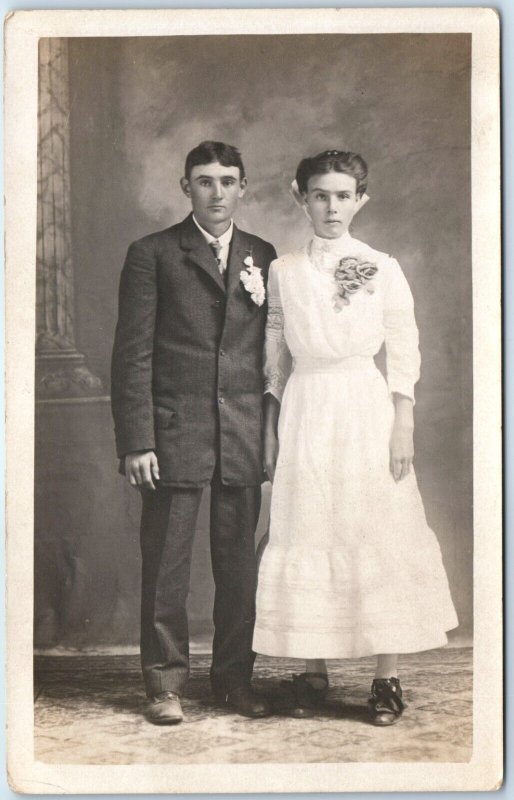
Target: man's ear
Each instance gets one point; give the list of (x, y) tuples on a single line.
[(185, 186), (243, 186)]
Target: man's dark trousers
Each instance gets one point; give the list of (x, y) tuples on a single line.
[(167, 531)]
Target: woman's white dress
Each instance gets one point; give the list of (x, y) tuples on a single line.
[(351, 568)]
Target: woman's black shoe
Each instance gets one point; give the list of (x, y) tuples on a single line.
[(385, 704)]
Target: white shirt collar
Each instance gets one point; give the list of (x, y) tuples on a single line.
[(224, 239)]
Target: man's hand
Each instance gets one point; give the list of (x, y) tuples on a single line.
[(141, 469)]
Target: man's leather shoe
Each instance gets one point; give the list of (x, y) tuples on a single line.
[(306, 698), (164, 709), (247, 702)]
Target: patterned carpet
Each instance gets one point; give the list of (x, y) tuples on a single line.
[(88, 711)]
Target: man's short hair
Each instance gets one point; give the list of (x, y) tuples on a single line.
[(207, 152)]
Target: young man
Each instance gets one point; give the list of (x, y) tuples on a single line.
[(187, 393)]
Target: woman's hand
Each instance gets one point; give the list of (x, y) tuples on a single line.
[(270, 453), (271, 415), (401, 445)]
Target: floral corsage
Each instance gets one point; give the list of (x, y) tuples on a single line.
[(351, 275), (251, 278)]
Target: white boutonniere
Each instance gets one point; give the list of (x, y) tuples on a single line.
[(251, 278)]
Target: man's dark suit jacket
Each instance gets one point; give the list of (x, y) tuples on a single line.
[(187, 359)]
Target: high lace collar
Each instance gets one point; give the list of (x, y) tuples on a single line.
[(325, 253)]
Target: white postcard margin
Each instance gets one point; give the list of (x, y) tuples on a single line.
[(484, 770)]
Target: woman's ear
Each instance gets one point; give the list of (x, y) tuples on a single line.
[(300, 199), (297, 196), (363, 199)]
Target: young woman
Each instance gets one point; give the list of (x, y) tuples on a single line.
[(351, 568)]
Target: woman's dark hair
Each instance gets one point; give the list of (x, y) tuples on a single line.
[(207, 152), (333, 161)]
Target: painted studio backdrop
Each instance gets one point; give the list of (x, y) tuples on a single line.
[(116, 119)]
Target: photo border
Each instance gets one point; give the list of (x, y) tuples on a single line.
[(23, 30)]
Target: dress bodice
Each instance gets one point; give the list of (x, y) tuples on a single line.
[(304, 320)]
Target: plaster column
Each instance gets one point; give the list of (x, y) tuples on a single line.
[(61, 370)]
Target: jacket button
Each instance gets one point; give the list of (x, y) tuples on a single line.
[(222, 352), (221, 399), (217, 303)]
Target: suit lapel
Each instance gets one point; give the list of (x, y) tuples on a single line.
[(238, 252), (199, 252)]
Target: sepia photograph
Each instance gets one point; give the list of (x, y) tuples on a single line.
[(259, 541)]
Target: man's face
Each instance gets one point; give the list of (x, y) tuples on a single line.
[(214, 191)]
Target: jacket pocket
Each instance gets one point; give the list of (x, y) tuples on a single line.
[(163, 417)]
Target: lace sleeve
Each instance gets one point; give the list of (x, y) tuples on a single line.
[(401, 334), (277, 358)]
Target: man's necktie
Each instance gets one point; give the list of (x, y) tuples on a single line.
[(216, 249)]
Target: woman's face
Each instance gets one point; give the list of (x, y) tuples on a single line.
[(331, 201)]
